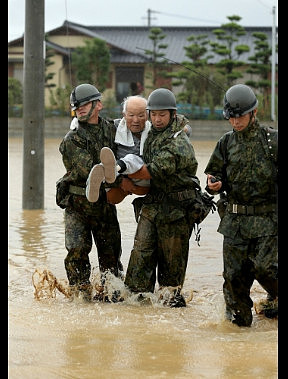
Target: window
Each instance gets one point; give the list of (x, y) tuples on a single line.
[(129, 81)]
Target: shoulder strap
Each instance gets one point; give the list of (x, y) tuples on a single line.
[(223, 147), (269, 141), (270, 144), (225, 144)]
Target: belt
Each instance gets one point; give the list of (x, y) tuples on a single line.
[(183, 195), (251, 209), (77, 190), (179, 196)]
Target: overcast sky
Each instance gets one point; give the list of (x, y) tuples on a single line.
[(134, 13)]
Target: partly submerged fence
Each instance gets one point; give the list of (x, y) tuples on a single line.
[(57, 127)]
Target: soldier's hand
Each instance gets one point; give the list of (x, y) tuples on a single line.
[(127, 185), (213, 183)]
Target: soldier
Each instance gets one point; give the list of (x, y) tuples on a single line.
[(161, 242), (80, 151), (244, 165)]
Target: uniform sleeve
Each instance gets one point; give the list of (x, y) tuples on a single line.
[(173, 158), (216, 166), (76, 160)]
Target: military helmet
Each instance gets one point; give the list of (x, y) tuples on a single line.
[(238, 101), (83, 94), (161, 98)]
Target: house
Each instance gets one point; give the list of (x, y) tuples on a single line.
[(129, 64)]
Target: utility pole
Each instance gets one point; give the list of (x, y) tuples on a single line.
[(273, 68), (149, 12), (33, 106)]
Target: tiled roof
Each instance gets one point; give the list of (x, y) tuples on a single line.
[(133, 39), (127, 43), (60, 49)]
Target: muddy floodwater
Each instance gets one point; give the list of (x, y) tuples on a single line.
[(56, 338)]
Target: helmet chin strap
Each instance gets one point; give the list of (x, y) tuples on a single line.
[(88, 115), (251, 116), (172, 116)]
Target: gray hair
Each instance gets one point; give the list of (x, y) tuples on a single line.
[(126, 99)]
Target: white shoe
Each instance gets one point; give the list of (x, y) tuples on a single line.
[(108, 160), (93, 183)]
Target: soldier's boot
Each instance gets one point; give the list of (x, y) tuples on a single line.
[(85, 290), (93, 183), (228, 314), (268, 307), (269, 297), (108, 160), (116, 296), (177, 300), (73, 291), (271, 310), (99, 295), (241, 318), (143, 300)]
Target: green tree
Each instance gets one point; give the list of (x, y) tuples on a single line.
[(15, 95), (260, 68), (228, 49), (197, 80), (157, 65), (193, 78), (91, 63), (111, 109), (60, 98)]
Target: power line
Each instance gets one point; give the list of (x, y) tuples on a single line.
[(193, 70), (149, 11), (264, 5), (149, 17)]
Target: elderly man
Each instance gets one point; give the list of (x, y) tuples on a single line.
[(131, 133)]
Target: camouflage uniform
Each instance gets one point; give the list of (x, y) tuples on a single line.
[(247, 168), (80, 151), (163, 231)]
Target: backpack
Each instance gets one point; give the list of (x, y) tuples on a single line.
[(201, 206), (199, 209)]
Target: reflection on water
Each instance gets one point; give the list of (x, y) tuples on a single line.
[(56, 338)]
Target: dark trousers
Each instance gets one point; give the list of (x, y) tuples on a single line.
[(160, 252), (246, 260), (79, 231)]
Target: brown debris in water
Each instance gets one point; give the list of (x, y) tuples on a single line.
[(46, 284)]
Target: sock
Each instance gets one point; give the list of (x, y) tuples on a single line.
[(122, 166)]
